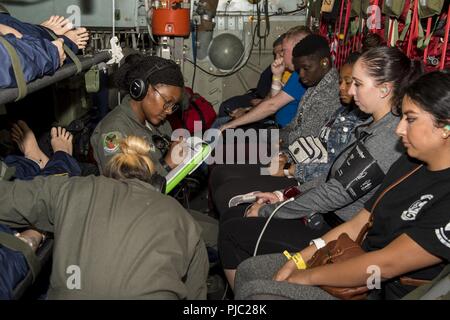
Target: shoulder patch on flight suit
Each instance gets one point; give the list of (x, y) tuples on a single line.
[(111, 142)]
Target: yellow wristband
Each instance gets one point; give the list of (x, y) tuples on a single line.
[(287, 254), (298, 259), (299, 262), (276, 78)]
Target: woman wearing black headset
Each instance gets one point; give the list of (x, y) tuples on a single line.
[(155, 86)]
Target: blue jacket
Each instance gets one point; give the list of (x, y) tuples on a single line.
[(38, 57), (335, 135), (60, 163), (13, 268)]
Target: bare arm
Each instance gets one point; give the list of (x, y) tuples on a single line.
[(401, 256), (274, 91), (32, 238), (351, 227), (263, 110), (277, 67)]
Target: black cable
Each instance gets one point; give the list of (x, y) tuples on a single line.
[(261, 37), (287, 12), (258, 19), (226, 7), (194, 51), (266, 14)]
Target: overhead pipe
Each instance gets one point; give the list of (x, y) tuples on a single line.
[(207, 10)]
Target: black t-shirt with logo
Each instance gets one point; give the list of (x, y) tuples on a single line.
[(418, 207)]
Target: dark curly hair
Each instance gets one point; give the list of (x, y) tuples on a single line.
[(371, 40), (312, 45), (137, 66), (352, 58)]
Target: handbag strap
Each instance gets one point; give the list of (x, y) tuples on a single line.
[(369, 224)]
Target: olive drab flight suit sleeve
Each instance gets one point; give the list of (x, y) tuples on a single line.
[(28, 203), (198, 273)]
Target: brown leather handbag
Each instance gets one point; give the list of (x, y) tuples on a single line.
[(344, 248)]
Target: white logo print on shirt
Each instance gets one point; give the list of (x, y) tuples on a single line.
[(413, 210), (441, 235)]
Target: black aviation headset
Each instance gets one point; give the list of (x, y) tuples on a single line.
[(139, 87)]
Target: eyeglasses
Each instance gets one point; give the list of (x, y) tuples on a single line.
[(173, 106)]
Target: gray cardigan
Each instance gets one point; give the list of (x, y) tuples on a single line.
[(384, 146), (318, 104)]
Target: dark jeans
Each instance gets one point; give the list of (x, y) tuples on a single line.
[(13, 268), (59, 163), (238, 236), (227, 181), (242, 101)]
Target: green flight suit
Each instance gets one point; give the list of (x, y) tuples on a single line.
[(113, 239), (120, 123), (6, 173)]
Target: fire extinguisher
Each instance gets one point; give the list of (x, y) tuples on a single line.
[(171, 18)]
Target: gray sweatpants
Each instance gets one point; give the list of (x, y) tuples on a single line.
[(254, 282)]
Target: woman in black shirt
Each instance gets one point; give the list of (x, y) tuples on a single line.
[(411, 230)]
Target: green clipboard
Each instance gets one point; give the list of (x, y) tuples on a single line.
[(200, 152)]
